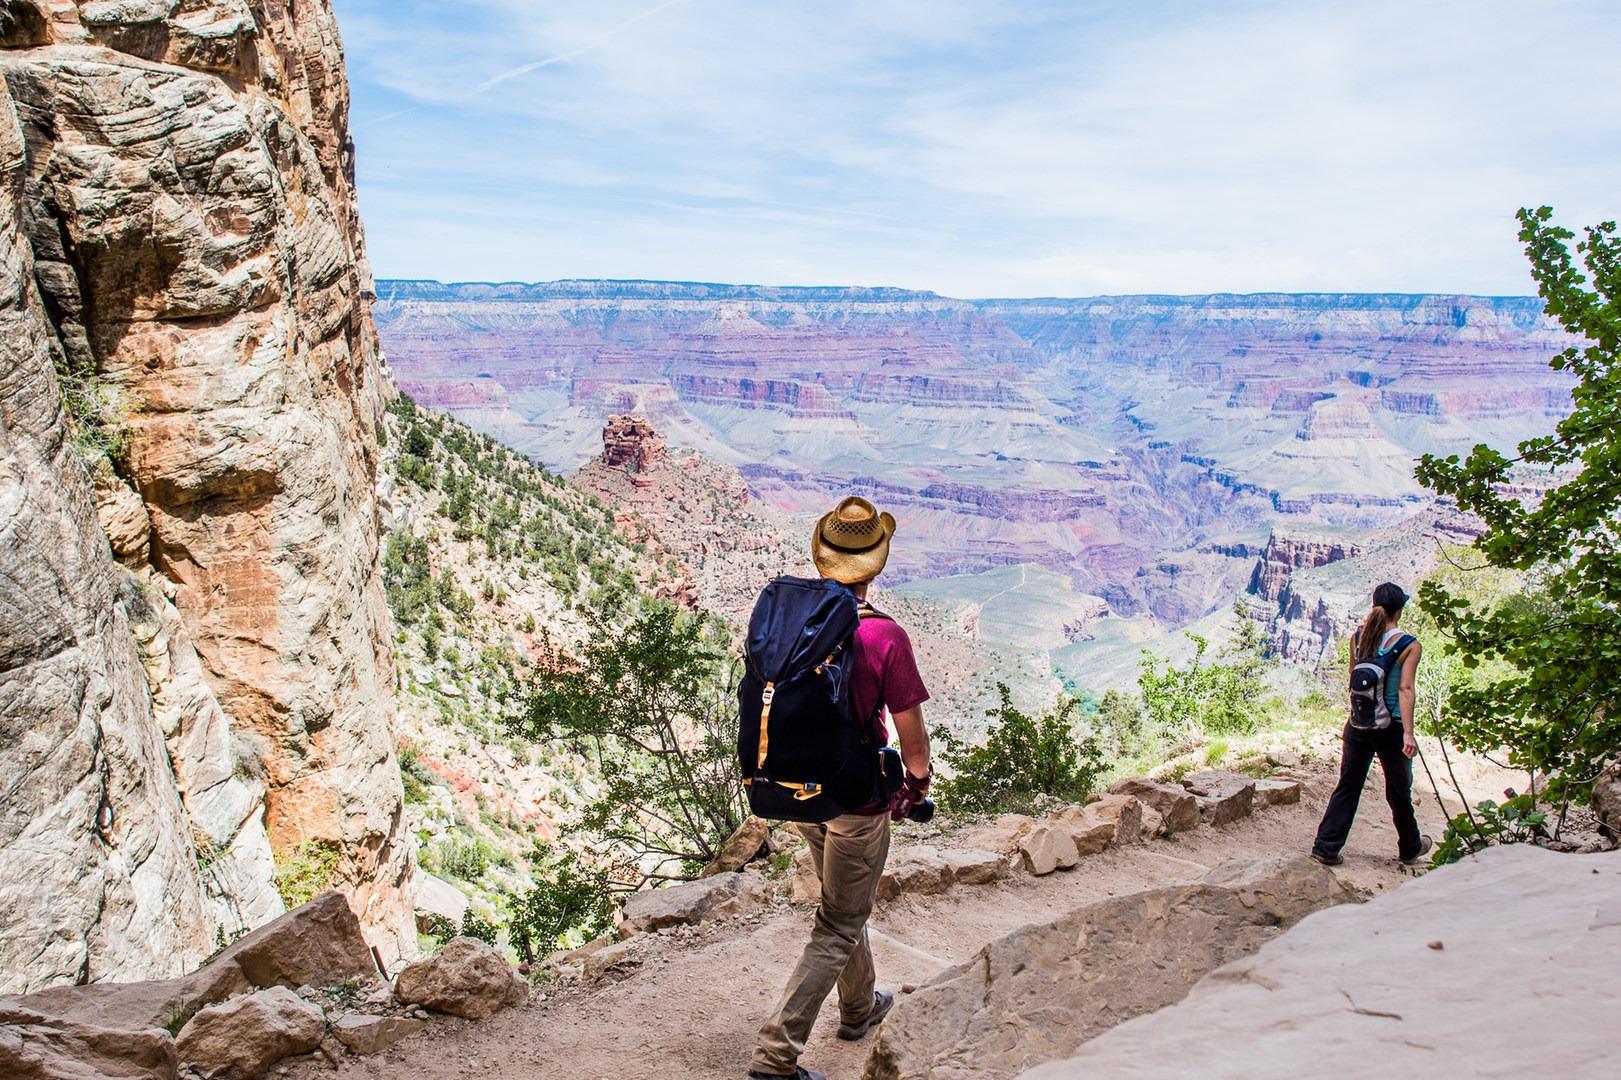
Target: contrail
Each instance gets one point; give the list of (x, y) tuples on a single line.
[(492, 83)]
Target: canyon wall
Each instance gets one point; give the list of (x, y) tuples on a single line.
[(183, 240), (1092, 437)]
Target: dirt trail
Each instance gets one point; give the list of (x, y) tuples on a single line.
[(692, 1008)]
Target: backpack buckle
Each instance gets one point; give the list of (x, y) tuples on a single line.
[(768, 693)]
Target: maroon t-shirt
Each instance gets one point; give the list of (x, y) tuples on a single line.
[(885, 674)]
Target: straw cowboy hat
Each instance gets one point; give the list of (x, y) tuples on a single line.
[(851, 543)]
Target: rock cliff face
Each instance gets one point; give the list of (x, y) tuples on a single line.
[(183, 228)]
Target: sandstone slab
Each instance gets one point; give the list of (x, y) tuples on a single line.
[(743, 845), (1367, 984), (464, 978), (436, 896), (620, 957), (363, 1034), (1224, 797), (1175, 804), (1042, 991), (1048, 847), (243, 1037), (691, 902)]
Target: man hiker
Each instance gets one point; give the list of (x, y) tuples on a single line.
[(851, 545)]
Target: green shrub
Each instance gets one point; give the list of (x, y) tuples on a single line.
[(1023, 758), (307, 871)]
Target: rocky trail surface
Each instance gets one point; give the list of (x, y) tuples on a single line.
[(689, 1002)]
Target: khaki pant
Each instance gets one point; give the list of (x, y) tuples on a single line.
[(849, 854)]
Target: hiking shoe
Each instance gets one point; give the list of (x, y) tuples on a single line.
[(1335, 860), (882, 1002), (799, 1073), (1424, 845)]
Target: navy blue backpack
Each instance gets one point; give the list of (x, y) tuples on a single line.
[(805, 756)]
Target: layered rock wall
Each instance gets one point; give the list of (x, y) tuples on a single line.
[(184, 181)]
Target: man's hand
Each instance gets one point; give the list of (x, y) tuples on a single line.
[(912, 791)]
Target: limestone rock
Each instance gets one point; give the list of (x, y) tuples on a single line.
[(1273, 792), (436, 896), (1125, 812), (1224, 797), (920, 871), (1179, 808), (1417, 1011), (99, 877), (1153, 823), (1091, 830), (1042, 991), (243, 1037), (743, 846), (1048, 847), (1001, 835), (691, 902), (178, 216), (464, 978), (363, 1034), (34, 1046), (976, 867)]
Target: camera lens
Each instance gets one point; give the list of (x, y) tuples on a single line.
[(922, 811)]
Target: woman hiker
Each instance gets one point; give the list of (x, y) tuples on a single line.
[(1394, 745)]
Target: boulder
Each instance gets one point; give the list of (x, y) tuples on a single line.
[(242, 1038), (316, 944), (1048, 847), (623, 956), (1224, 797), (692, 902), (464, 978), (1427, 982), (1001, 835), (1179, 808), (1092, 832), (921, 871), (1274, 792), (363, 1034), (744, 844), (1042, 991), (35, 1046), (976, 867)]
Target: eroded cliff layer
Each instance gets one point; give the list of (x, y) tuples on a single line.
[(182, 173)]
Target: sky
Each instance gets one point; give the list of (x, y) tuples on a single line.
[(982, 149)]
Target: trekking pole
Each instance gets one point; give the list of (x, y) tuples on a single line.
[(1435, 789)]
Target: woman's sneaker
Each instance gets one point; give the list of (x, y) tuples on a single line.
[(1329, 860), (882, 1002), (1424, 845)]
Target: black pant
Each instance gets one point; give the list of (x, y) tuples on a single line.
[(1359, 750)]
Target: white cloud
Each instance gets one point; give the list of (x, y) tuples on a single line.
[(1057, 148)]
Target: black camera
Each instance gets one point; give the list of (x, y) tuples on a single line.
[(921, 812)]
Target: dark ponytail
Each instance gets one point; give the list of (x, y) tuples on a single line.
[(1388, 600)]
